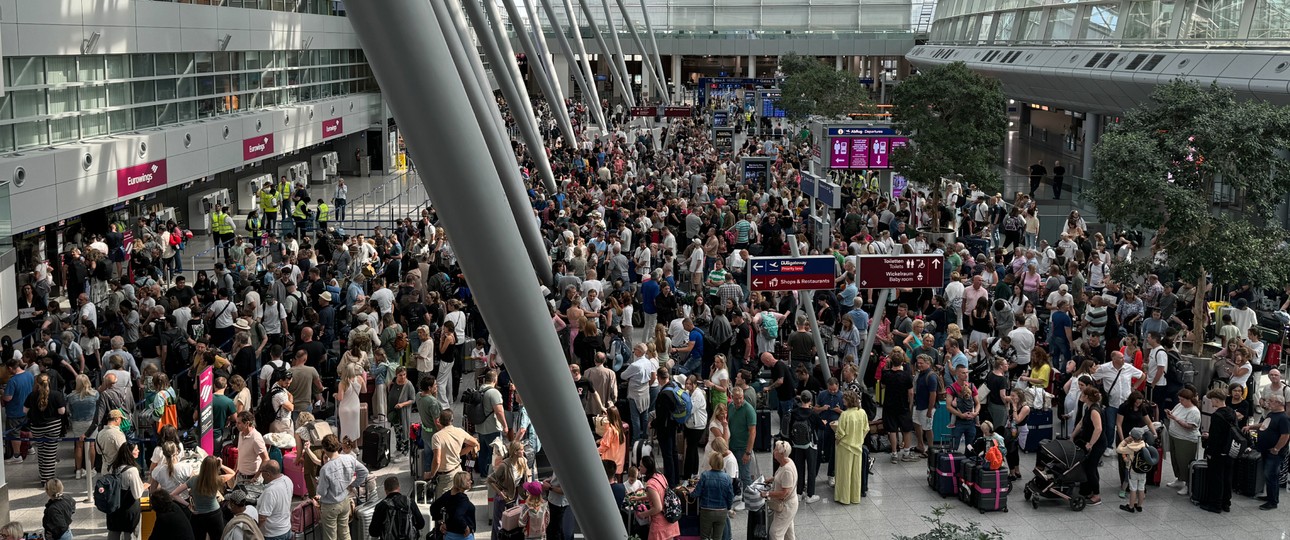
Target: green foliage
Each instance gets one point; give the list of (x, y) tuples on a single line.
[(812, 87), (957, 120), (1160, 166), (943, 530)]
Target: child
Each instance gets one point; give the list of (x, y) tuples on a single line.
[(988, 434), (1128, 450), (478, 355), (633, 482)]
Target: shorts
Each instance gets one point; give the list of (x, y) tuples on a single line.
[(14, 422), (922, 420), (1137, 481), (897, 421)]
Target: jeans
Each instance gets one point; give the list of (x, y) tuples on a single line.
[(828, 448), (1272, 477), (455, 536), (1108, 429), (639, 420), (745, 469), (340, 209), (68, 536), (1060, 350), (485, 460), (691, 367), (557, 529), (808, 467), (965, 429), (1032, 240)]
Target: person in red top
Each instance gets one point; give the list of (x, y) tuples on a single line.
[(655, 486)]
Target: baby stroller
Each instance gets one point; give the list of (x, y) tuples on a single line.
[(1058, 474)]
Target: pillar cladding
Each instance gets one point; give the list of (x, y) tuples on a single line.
[(409, 56)]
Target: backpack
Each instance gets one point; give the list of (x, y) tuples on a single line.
[(107, 492), (265, 413), (398, 521), (1179, 372), (672, 508), (801, 434), (769, 327), (682, 407), (473, 402), (620, 353), (1144, 460)]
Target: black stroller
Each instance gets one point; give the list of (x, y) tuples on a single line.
[(1058, 474)]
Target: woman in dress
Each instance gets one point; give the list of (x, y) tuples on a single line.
[(849, 341), (655, 486), (352, 383), (1088, 435), (851, 428), (613, 444), (45, 408)]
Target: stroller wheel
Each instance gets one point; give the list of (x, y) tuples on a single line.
[(1027, 493), (1078, 503), (1034, 504)]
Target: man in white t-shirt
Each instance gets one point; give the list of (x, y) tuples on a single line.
[(1157, 364), (275, 502)]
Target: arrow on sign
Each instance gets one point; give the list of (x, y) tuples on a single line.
[(936, 263), (757, 267), (756, 283)]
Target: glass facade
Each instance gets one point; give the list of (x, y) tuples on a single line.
[(744, 16), (317, 7), (58, 99), (1098, 22)]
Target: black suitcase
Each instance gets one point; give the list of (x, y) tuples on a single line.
[(866, 467), (513, 534), (376, 447), (762, 444), (758, 526), (1247, 475), (1199, 485)]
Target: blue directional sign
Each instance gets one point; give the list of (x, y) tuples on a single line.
[(829, 193), (858, 131), (792, 273), (807, 185)]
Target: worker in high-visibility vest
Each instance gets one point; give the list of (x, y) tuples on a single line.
[(285, 190), (300, 214), (222, 228), (254, 226), (268, 205), (324, 214)]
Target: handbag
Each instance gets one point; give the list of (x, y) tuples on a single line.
[(1239, 445)]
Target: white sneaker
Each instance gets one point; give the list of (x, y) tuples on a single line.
[(894, 458), (1108, 453), (813, 499), (832, 482), (1183, 491), (80, 473), (739, 506), (17, 460), (1174, 484)]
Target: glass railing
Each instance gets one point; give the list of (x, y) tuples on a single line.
[(893, 33), (316, 7)]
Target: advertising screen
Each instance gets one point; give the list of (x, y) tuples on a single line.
[(863, 152)]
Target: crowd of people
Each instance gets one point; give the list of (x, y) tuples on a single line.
[(313, 335)]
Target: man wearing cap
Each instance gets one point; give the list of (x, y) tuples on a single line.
[(327, 318), (110, 438)]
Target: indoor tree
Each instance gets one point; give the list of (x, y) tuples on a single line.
[(1206, 171), (956, 120), (812, 87)]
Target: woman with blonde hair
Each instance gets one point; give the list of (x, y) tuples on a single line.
[(45, 408), (81, 405), (241, 394), (171, 474), (506, 479), (352, 383)]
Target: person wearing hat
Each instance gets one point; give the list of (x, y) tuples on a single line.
[(245, 524), (110, 437), (804, 423), (396, 506), (1128, 451), (327, 318), (536, 515)]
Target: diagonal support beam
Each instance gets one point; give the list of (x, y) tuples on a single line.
[(618, 52), (410, 59), (545, 79), (581, 71), (649, 28), (660, 84)]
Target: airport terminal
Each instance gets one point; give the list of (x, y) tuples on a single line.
[(307, 269)]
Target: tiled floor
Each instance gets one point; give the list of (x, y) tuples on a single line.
[(898, 498)]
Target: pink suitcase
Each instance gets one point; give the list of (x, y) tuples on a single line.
[(295, 472)]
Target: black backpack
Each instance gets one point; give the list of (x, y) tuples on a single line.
[(1178, 372), (801, 434), (398, 520), (265, 413)]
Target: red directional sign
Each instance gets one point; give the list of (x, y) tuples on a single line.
[(901, 271)]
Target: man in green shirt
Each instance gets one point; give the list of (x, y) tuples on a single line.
[(222, 407), (743, 433), (717, 277), (428, 409)]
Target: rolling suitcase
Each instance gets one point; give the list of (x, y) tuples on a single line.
[(1199, 485), (376, 447), (758, 525), (304, 522), (361, 520), (941, 424), (762, 444), (1247, 475), (990, 490), (1041, 429), (948, 465)]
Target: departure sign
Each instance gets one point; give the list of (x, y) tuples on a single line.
[(863, 152), (792, 273), (901, 271)]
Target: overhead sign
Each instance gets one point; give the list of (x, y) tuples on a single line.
[(720, 119), (807, 185), (333, 127), (667, 112), (901, 271), (756, 170), (723, 139), (792, 273), (857, 131), (257, 147), (829, 193), (863, 152), (898, 185), (142, 177)]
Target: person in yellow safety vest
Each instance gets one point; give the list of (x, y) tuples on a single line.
[(301, 215), (253, 226), (324, 214), (222, 228), (269, 205), (284, 193)]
